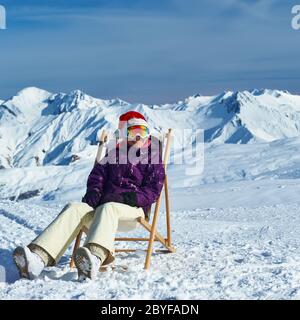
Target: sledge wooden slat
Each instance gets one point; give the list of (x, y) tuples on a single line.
[(133, 239), (167, 155), (157, 207), (169, 239), (134, 250), (152, 228), (127, 250), (148, 227), (102, 140), (85, 230)]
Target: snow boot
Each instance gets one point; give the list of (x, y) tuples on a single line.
[(87, 264), (29, 264)]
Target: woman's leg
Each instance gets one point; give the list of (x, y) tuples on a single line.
[(101, 235), (56, 238)]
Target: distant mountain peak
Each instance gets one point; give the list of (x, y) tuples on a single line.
[(77, 92), (32, 91), (197, 95), (272, 92), (26, 105)]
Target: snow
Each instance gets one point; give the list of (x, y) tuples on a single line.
[(235, 222), (230, 252)]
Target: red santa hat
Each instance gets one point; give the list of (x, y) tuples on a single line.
[(129, 119)]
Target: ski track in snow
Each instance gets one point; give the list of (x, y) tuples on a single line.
[(222, 253)]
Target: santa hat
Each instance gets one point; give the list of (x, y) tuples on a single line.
[(129, 119)]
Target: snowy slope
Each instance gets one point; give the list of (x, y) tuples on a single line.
[(235, 228), (222, 163), (228, 252)]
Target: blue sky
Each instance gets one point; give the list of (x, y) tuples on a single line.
[(149, 51)]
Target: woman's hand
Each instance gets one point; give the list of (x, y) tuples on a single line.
[(92, 198), (130, 198)]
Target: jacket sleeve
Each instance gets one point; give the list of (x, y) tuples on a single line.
[(153, 183), (97, 178)]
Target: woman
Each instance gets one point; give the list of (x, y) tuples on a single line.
[(120, 189)]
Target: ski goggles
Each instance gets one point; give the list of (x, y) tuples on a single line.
[(138, 130)]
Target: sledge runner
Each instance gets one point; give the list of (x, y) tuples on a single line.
[(118, 192)]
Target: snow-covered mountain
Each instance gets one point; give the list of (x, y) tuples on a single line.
[(39, 128)]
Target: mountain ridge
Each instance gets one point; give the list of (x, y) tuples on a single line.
[(39, 128)]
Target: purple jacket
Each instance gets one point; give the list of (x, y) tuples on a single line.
[(144, 178)]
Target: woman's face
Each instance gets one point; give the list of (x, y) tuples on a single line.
[(138, 143), (137, 135)]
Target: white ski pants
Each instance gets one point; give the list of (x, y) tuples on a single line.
[(103, 223)]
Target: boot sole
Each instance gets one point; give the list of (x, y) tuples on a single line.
[(21, 262), (82, 257)]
